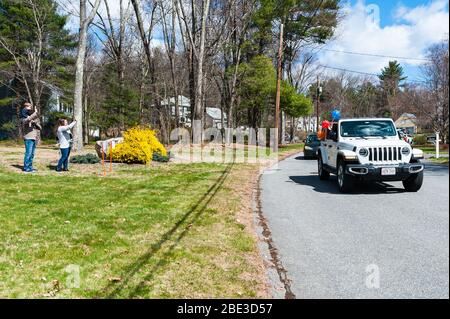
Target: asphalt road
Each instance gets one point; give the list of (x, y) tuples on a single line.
[(378, 242)]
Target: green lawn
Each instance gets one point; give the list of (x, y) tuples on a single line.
[(441, 160), (284, 149), (432, 150), (156, 233), (164, 231)]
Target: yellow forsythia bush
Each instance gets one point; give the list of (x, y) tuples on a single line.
[(138, 146)]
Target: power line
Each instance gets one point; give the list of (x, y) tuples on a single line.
[(359, 72), (346, 70), (377, 55)]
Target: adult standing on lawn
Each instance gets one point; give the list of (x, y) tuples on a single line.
[(30, 132), (65, 143)]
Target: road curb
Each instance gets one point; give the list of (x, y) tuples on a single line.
[(277, 277)]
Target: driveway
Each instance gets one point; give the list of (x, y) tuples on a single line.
[(378, 242)]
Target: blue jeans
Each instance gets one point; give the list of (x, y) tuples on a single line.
[(63, 163), (30, 147)]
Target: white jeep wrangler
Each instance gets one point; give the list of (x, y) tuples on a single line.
[(369, 150)]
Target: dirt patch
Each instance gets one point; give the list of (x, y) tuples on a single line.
[(46, 159)]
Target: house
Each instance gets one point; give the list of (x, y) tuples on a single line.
[(213, 115), (307, 124), (184, 108), (55, 104), (408, 123)]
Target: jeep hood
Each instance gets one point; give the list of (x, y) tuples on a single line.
[(379, 142)]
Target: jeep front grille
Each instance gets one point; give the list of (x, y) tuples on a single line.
[(385, 154)]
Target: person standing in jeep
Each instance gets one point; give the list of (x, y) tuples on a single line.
[(30, 131)]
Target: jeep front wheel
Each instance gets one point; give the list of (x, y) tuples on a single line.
[(323, 174), (413, 183), (345, 181)]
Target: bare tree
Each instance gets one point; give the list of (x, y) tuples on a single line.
[(240, 13), (114, 40), (198, 48), (436, 74), (85, 21), (146, 35), (169, 31)]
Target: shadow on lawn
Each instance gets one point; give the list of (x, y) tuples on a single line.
[(112, 290)]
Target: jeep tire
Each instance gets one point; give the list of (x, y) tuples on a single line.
[(323, 174), (345, 181), (413, 183)]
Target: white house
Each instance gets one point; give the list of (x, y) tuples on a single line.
[(307, 124), (213, 115), (184, 108), (55, 104)]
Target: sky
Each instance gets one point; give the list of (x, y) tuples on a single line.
[(72, 8), (400, 28)]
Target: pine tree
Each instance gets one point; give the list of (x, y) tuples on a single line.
[(34, 46), (391, 77)]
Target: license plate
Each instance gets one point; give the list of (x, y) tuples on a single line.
[(388, 171)]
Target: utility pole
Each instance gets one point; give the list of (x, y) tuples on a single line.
[(279, 76), (318, 93)]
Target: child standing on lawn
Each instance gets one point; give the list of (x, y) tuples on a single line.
[(65, 143)]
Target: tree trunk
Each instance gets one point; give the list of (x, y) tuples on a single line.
[(79, 72), (78, 92), (86, 121), (192, 99), (234, 90), (198, 111)]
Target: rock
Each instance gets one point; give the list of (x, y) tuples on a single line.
[(105, 144)]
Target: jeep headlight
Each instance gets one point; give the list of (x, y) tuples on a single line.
[(406, 151), (308, 148), (350, 156), (364, 152)]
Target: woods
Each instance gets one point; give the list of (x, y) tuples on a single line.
[(132, 62)]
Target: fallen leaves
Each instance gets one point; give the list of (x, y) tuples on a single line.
[(54, 290)]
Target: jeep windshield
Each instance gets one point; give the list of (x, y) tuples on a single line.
[(365, 129)]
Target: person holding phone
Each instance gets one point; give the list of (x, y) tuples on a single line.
[(30, 128), (65, 143)]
